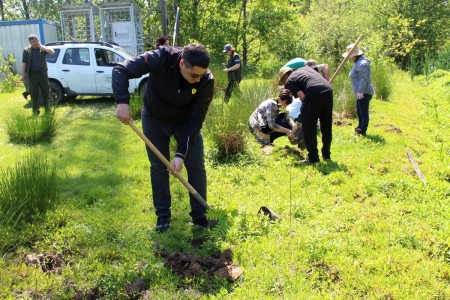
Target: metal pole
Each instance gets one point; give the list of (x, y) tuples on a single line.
[(175, 27), (163, 17)]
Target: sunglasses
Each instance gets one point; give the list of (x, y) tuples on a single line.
[(193, 76)]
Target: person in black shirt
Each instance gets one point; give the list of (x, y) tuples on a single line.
[(179, 91), (233, 69), (316, 93), (34, 69)]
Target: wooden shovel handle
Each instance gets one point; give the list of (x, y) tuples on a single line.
[(346, 58)]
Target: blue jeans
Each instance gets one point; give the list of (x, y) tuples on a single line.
[(362, 110), (159, 134)]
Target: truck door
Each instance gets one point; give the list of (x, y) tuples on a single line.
[(77, 70), (105, 61)]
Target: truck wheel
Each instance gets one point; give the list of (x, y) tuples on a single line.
[(56, 93)]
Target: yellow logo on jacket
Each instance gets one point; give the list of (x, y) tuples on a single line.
[(194, 91)]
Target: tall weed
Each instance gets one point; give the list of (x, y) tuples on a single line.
[(26, 129), (29, 188), (136, 103), (381, 79), (227, 124), (344, 99)]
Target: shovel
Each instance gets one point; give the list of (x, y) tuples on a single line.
[(170, 167)]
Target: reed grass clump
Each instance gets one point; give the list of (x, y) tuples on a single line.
[(24, 128), (227, 123), (29, 188), (382, 80)]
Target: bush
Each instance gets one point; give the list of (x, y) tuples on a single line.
[(29, 188), (23, 128), (12, 81)]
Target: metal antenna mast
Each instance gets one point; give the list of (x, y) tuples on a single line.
[(167, 18)]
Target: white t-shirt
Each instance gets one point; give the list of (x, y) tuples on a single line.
[(294, 108)]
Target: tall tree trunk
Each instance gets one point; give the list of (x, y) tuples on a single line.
[(2, 12), (244, 33), (26, 9)]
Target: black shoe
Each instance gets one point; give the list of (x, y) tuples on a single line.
[(359, 131), (308, 162), (25, 95), (163, 223), (202, 222)]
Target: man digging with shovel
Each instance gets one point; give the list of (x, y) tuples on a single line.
[(179, 92)]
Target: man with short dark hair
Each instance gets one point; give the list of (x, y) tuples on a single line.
[(34, 66), (179, 91)]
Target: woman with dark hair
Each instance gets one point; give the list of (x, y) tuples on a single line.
[(362, 86), (267, 123), (162, 41), (233, 69)]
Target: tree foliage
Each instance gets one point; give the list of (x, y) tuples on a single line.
[(267, 33)]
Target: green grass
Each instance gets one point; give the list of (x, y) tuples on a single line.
[(361, 226), (23, 127)]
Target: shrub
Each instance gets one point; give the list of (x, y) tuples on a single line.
[(29, 188), (12, 81), (26, 129)]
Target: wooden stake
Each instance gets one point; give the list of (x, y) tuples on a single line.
[(416, 167)]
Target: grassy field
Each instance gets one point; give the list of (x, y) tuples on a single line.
[(361, 226)]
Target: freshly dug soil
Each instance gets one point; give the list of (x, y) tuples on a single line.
[(189, 265)]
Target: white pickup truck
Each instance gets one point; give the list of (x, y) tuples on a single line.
[(85, 68)]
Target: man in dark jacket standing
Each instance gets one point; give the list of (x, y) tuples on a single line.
[(233, 69), (34, 65), (316, 95), (179, 91)]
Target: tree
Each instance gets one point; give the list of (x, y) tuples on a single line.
[(411, 26)]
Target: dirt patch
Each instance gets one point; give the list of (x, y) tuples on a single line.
[(392, 129), (341, 123), (49, 263), (190, 265), (295, 151)]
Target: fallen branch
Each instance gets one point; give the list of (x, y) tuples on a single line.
[(416, 167)]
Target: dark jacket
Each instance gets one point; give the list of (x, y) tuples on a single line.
[(169, 97), (236, 74), (26, 58)]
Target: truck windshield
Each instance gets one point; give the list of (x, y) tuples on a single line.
[(125, 53)]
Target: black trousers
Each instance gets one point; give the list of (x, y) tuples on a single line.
[(232, 84), (315, 107), (38, 81)]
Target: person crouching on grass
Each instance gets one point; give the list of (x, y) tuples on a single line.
[(267, 123)]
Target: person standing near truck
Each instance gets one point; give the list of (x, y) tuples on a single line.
[(34, 66)]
